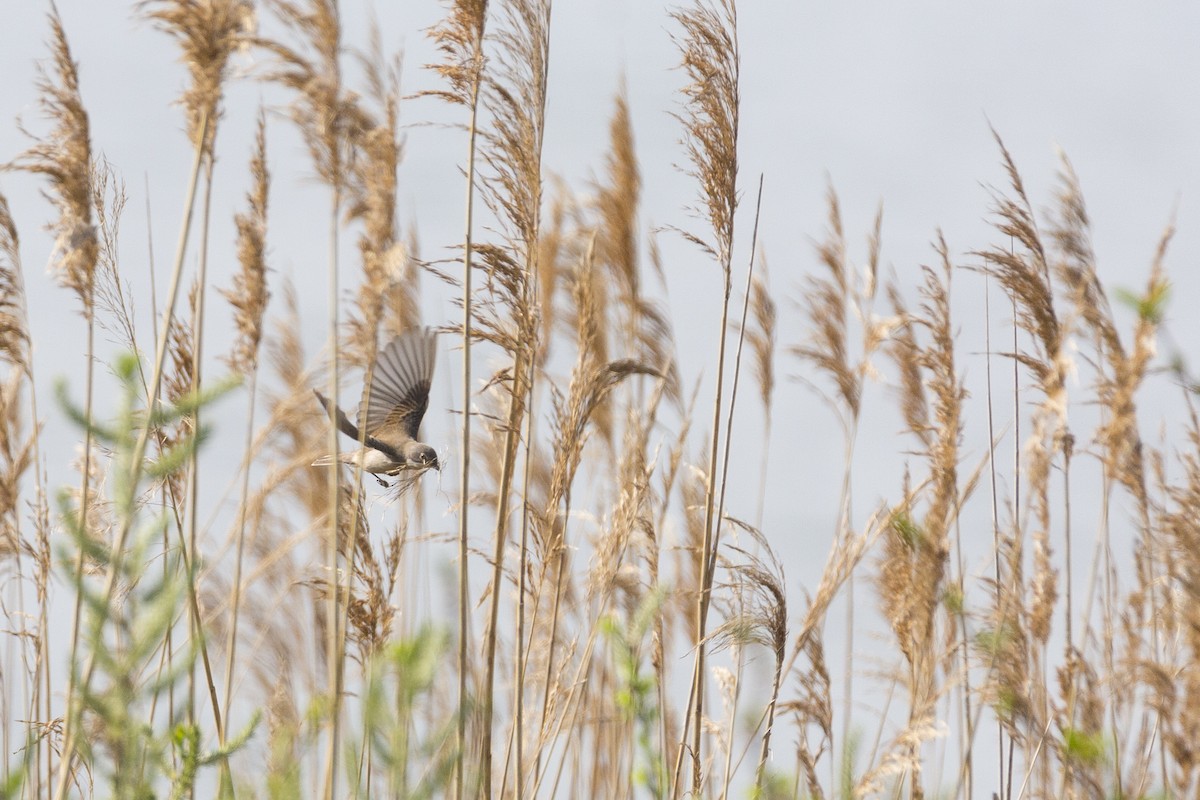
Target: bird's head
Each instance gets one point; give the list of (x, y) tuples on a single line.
[(421, 456)]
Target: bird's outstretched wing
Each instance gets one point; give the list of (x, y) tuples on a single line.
[(347, 427), (400, 385)]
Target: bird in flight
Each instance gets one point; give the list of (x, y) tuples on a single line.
[(396, 402)]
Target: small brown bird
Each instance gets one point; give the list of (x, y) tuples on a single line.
[(396, 403)]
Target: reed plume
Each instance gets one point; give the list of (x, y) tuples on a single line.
[(249, 293), (371, 200), (208, 33)]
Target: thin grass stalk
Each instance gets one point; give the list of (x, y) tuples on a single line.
[(515, 191), (464, 499), (559, 566), (249, 297), (14, 346), (760, 771), (77, 618), (696, 706), (167, 659), (356, 516), (523, 566), (995, 506), (710, 570), (1016, 483), (38, 699), (190, 544), (333, 618), (460, 38), (710, 57), (240, 545), (516, 411), (118, 547), (737, 371)]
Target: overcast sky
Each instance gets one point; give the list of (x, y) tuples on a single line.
[(890, 102)]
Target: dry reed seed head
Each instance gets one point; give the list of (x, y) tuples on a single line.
[(101, 517), (326, 115), (617, 203), (298, 429), (708, 46), (627, 521), (758, 578), (590, 300), (249, 294), (459, 38), (401, 300), (558, 247), (827, 303), (948, 394), (761, 336), (1074, 265), (64, 157), (208, 32), (516, 97), (16, 454), (906, 353), (14, 329), (372, 200), (112, 294), (1025, 276)]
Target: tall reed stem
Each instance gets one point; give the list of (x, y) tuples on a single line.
[(70, 732), (333, 618), (464, 496)]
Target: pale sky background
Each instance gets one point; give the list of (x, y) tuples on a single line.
[(890, 102)]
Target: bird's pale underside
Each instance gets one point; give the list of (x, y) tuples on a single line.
[(391, 418)]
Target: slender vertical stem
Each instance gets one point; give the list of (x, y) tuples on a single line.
[(464, 499), (192, 560), (70, 722), (1016, 483), (333, 619), (515, 411), (240, 548), (519, 689), (987, 350)]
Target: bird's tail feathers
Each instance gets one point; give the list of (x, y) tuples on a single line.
[(326, 460)]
